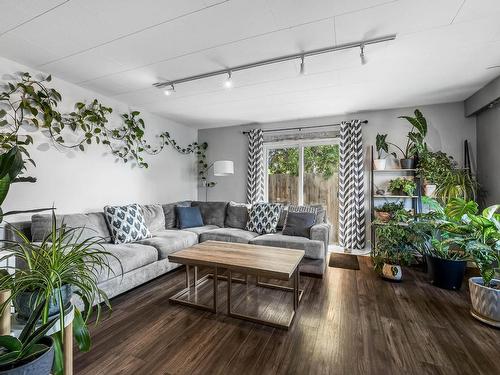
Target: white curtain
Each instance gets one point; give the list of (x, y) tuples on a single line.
[(351, 186), (255, 174)]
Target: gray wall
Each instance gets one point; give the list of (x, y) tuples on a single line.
[(448, 128), (488, 157)]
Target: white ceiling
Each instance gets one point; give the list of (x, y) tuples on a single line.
[(121, 47)]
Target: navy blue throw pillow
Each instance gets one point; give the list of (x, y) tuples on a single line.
[(188, 217)]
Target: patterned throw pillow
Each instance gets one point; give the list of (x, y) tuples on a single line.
[(264, 218), (127, 223), (309, 209)]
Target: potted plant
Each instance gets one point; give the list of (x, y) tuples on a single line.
[(481, 239), (433, 167), (61, 266), (30, 353), (415, 140), (402, 186), (387, 211), (391, 251), (457, 183), (382, 146)]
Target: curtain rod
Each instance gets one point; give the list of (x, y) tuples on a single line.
[(301, 128)]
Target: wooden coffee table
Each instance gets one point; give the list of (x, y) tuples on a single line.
[(271, 262)]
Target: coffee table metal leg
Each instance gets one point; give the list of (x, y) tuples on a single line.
[(195, 276), (229, 287), (188, 281), (215, 290)]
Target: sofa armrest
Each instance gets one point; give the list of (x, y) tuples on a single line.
[(321, 232)]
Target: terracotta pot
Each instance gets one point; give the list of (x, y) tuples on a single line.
[(485, 301), (383, 216), (379, 164), (392, 272)]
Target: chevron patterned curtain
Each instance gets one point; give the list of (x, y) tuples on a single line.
[(255, 174), (351, 186)]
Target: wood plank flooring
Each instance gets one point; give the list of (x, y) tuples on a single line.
[(350, 322)]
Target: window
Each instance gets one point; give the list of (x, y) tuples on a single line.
[(304, 173)]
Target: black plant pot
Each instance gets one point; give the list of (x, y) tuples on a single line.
[(407, 163), (41, 365), (444, 273)]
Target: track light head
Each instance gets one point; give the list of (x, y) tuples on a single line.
[(169, 91), (228, 83), (362, 54), (302, 66)]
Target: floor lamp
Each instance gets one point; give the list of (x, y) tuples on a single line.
[(221, 168)]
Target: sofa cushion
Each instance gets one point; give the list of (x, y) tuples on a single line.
[(213, 213), (203, 229), (299, 223), (170, 240), (314, 249), (131, 256), (153, 216), (126, 223), (264, 218), (170, 215), (228, 235), (94, 225), (237, 215), (188, 217)]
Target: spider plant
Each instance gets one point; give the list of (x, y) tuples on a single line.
[(457, 183), (62, 259)]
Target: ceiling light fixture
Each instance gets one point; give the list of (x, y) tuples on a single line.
[(362, 54), (302, 66), (302, 56), (170, 90), (228, 83)]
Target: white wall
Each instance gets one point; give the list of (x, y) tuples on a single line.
[(86, 181)]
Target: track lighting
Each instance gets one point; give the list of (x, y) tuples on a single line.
[(293, 57), (302, 66), (362, 54), (169, 91), (228, 83)]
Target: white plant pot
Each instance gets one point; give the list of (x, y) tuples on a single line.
[(429, 190), (485, 301), (379, 164), (392, 272)]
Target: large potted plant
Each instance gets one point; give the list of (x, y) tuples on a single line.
[(381, 146), (457, 183), (481, 239), (52, 271), (30, 353), (415, 140), (391, 251)]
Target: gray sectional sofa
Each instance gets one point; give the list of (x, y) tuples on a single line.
[(148, 258)]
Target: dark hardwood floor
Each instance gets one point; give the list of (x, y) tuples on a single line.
[(351, 322)]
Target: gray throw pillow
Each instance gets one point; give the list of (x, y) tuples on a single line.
[(154, 217), (213, 213), (170, 214), (237, 215), (299, 223)]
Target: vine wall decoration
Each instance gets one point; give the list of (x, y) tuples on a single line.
[(26, 103)]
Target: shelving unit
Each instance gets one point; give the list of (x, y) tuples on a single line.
[(416, 200)]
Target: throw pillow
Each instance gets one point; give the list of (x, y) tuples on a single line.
[(299, 223), (213, 213), (317, 210), (188, 217), (237, 215), (264, 218), (127, 223), (170, 216)]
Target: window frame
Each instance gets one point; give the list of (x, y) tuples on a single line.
[(300, 144)]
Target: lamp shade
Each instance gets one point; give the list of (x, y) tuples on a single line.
[(223, 168)]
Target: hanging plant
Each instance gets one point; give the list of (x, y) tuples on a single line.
[(28, 104)]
